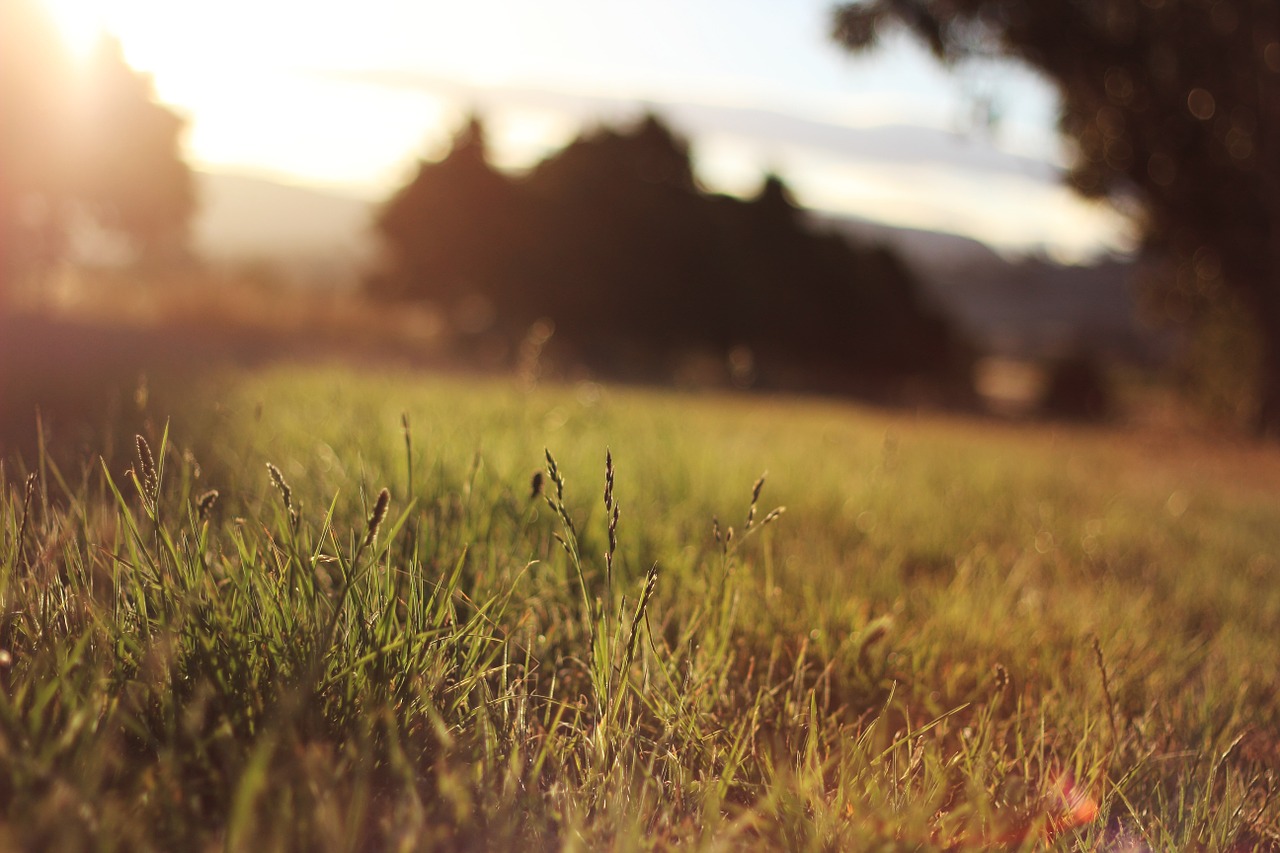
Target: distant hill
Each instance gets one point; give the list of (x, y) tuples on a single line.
[(1021, 307), (1027, 308), (316, 237)]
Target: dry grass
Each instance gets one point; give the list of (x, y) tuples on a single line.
[(961, 634)]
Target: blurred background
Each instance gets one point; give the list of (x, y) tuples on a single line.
[(987, 205)]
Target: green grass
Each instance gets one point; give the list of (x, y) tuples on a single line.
[(953, 625)]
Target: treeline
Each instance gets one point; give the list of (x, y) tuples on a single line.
[(612, 242)]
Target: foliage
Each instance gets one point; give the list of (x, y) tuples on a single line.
[(1173, 108), (1077, 388), (128, 169), (613, 243), (452, 224), (952, 639), (81, 143), (1221, 360)]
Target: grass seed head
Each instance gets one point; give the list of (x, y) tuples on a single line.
[(563, 544), (204, 504), (650, 585), (286, 493), (282, 484), (1001, 678), (147, 467), (553, 471), (613, 531), (610, 507), (755, 498), (535, 486), (376, 517), (608, 480), (26, 510)]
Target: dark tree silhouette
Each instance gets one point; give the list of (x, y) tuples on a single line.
[(453, 230), (621, 240), (1173, 107), (1077, 388), (612, 240), (89, 140)]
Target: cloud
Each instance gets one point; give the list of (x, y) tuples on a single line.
[(903, 174)]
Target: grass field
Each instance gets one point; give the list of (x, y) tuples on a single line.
[(960, 634)]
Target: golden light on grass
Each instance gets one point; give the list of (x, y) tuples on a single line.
[(1072, 806), (867, 704)]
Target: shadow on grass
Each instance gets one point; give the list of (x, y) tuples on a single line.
[(86, 385)]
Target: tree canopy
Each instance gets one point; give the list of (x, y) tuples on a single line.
[(86, 141), (1173, 110), (612, 240)]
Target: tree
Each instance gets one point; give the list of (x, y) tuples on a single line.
[(127, 170), (612, 240), (88, 140), (621, 237), (453, 229), (1173, 107)]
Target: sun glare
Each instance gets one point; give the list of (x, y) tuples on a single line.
[(79, 22), (242, 73), (261, 85)]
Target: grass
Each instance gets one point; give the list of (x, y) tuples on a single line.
[(453, 614)]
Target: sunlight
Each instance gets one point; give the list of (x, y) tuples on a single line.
[(528, 135), (242, 75), (193, 49), (273, 87), (1070, 229), (80, 23)]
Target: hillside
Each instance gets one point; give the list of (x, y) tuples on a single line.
[(1021, 307), (317, 237)]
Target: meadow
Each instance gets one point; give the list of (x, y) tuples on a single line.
[(344, 609)]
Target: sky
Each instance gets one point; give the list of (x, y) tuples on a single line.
[(349, 97)]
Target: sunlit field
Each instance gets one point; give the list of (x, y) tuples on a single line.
[(586, 427), (578, 618)]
